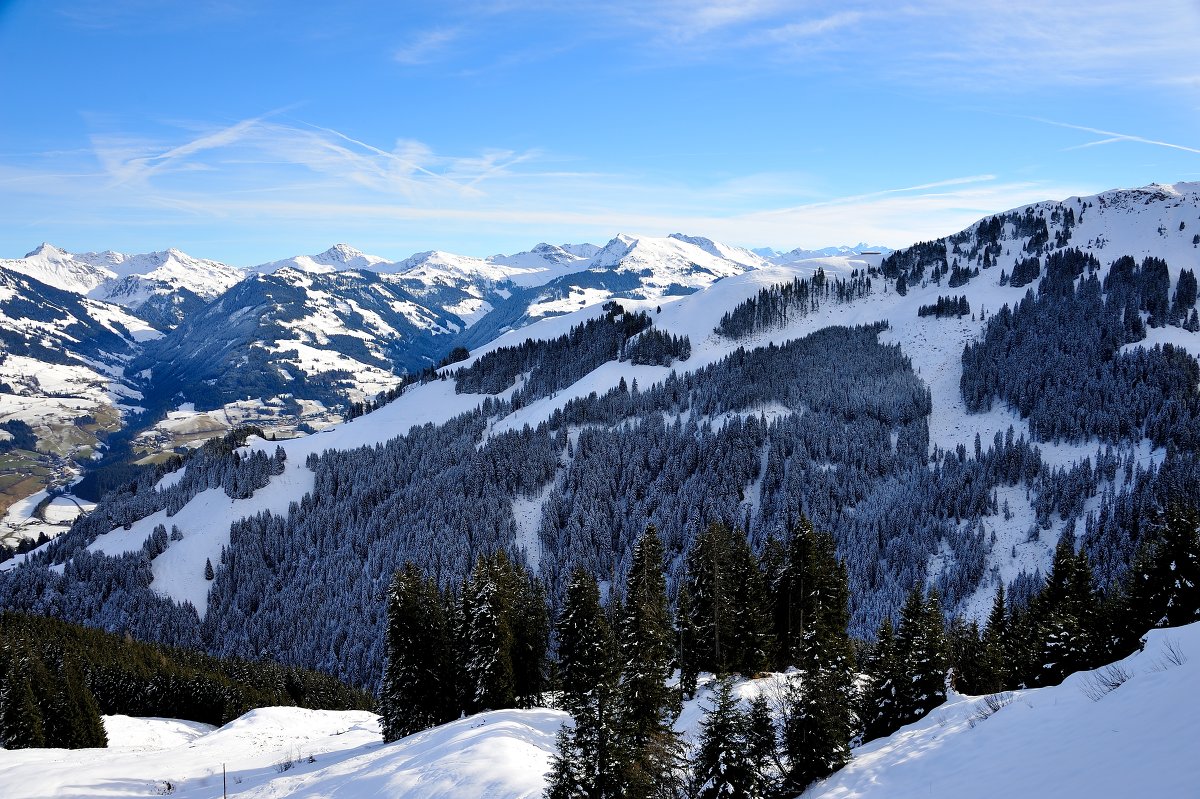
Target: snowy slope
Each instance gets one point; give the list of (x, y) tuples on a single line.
[(327, 754), (140, 276), (1139, 740), (127, 280), (1136, 740)]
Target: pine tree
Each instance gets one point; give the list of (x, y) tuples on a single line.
[(70, 717), (650, 746), (879, 712), (489, 638), (967, 656), (531, 638), (688, 653), (209, 574), (913, 680), (709, 595), (925, 656), (761, 747), (416, 692), (995, 671), (721, 767), (817, 722), (1164, 588), (727, 595), (586, 761), (21, 725), (1066, 611)]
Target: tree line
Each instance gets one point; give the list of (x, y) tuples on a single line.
[(946, 307), (58, 678), (487, 646), (776, 305)]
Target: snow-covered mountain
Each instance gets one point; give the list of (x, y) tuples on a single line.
[(63, 360), (61, 269), (160, 287), (337, 258), (687, 287), (326, 337), (803, 254)]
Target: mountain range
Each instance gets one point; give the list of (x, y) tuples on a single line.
[(174, 348), (956, 465)]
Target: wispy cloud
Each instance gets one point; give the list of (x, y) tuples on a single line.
[(311, 183), (1111, 137), (426, 47), (1008, 45)]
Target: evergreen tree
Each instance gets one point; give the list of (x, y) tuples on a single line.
[(21, 725), (689, 651), (488, 605), (995, 672), (417, 691), (650, 746), (586, 762), (1066, 610), (727, 596), (879, 711), (709, 597), (1164, 584), (912, 681), (531, 638), (967, 656), (924, 648), (817, 725), (722, 767), (762, 747), (70, 716)]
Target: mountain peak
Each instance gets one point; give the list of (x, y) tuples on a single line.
[(341, 253), (47, 250)]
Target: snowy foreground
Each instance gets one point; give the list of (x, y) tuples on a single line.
[(1072, 740)]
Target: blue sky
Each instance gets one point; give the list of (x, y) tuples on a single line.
[(246, 131)]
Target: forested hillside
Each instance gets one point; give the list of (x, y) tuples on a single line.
[(950, 449)]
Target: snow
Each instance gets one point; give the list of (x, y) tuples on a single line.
[(528, 515), (151, 734), (60, 269), (145, 755), (1184, 339), (1138, 740), (336, 258), (127, 280), (499, 754), (204, 522)]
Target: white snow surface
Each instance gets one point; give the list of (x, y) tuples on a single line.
[(499, 754), (1138, 740), (127, 280), (337, 258)]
